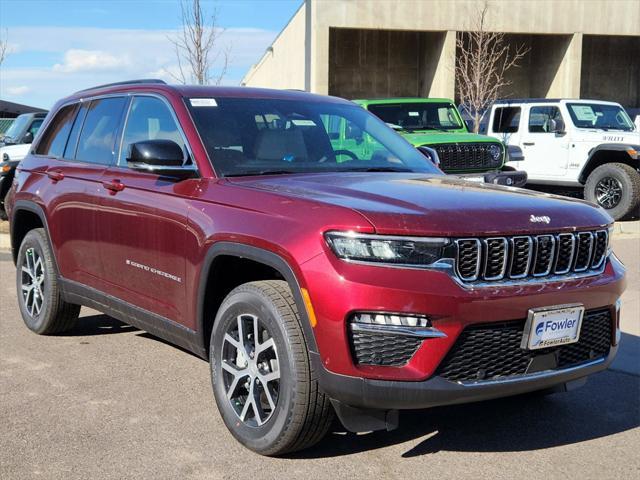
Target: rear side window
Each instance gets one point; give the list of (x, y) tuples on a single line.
[(506, 120), (99, 131), (55, 137), (70, 149)]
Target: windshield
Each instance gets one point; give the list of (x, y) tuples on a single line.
[(596, 115), (249, 136), (16, 128), (418, 116)]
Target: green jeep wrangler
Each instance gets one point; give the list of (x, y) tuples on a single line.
[(435, 127)]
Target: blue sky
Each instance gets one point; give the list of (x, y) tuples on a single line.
[(58, 47)]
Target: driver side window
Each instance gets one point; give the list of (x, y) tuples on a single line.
[(542, 119), (149, 119)]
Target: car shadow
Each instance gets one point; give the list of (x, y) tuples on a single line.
[(98, 324), (606, 405)]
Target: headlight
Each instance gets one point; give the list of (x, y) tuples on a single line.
[(5, 157), (495, 151), (410, 251)]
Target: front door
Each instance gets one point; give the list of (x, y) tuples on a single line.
[(142, 221), (546, 152)]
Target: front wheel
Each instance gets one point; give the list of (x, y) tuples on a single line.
[(616, 188), (263, 380)]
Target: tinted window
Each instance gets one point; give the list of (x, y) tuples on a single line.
[(540, 119), (249, 136), (418, 115), (149, 119), (70, 149), (35, 126), (55, 137), (100, 129), (506, 120)]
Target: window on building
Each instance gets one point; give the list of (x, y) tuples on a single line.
[(506, 119)]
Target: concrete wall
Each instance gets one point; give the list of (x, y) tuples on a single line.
[(283, 64), (566, 58), (611, 69)]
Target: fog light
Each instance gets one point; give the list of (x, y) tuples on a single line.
[(392, 319)]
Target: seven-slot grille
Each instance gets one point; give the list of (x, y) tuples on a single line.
[(467, 156), (500, 258)]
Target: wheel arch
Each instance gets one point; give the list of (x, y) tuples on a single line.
[(261, 257), (608, 153), (25, 216)]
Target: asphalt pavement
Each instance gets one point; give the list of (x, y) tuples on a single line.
[(109, 401)]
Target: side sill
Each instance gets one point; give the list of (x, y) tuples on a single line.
[(155, 324)]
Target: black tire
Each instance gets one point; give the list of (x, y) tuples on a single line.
[(3, 208), (302, 414), (55, 315), (622, 175)]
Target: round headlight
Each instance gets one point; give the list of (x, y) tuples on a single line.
[(495, 151), (5, 157)]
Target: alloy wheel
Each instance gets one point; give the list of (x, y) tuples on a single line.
[(608, 192), (32, 284), (250, 370)]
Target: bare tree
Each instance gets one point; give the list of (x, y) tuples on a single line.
[(198, 47), (4, 48), (482, 61)]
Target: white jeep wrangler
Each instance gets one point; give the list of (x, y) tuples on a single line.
[(586, 143)]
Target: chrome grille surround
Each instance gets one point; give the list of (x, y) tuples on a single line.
[(480, 261)]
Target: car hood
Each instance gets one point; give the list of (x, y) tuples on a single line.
[(426, 138), (423, 204)]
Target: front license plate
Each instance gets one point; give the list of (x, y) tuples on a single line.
[(552, 326)]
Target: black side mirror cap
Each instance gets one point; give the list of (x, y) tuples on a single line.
[(27, 138), (156, 153)]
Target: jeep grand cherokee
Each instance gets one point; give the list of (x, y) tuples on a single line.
[(220, 220)]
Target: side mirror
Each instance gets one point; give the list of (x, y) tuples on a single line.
[(354, 131), (557, 126), (514, 154), (162, 157), (431, 154), (27, 138)]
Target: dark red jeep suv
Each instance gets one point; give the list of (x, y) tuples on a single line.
[(316, 281)]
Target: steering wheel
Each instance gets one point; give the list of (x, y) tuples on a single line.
[(348, 153)]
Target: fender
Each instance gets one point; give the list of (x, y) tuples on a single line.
[(33, 207), (260, 255), (607, 147)]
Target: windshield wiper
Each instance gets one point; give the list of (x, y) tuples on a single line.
[(261, 172)]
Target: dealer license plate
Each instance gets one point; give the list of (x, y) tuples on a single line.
[(552, 326)]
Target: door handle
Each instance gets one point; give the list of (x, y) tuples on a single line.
[(55, 175), (528, 144), (113, 186)]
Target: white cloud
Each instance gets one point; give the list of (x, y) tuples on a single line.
[(18, 90), (76, 60), (83, 57)]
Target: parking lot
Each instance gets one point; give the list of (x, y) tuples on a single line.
[(109, 401)]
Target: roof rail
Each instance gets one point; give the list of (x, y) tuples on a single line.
[(126, 82)]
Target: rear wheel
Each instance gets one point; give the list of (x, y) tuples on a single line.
[(39, 298), (616, 188), (263, 380)]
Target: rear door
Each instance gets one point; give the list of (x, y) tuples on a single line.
[(80, 143), (142, 221)]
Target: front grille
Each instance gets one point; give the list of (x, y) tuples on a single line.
[(467, 156), (383, 349), (498, 258), (490, 351)]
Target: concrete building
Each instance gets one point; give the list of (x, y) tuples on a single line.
[(382, 48)]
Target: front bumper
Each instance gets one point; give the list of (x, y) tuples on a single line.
[(374, 394)]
